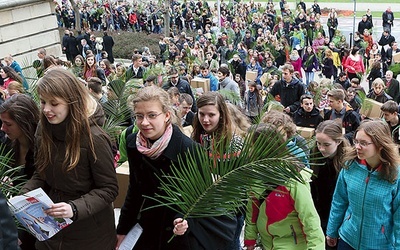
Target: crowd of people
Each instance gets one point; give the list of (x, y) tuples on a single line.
[(259, 70)]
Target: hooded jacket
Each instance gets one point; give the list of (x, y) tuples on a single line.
[(350, 121), (365, 210), (229, 84), (91, 186)]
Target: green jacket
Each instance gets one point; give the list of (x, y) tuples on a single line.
[(285, 219)]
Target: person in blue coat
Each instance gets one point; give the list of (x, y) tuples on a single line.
[(205, 73), (365, 211)]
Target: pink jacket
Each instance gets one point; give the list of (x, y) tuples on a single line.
[(354, 64)]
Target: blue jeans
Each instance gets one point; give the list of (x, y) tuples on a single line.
[(309, 77), (342, 245)]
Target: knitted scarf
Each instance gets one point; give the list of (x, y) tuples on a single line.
[(153, 151)]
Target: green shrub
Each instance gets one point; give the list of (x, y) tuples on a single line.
[(126, 42)]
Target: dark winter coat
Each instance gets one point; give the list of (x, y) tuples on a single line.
[(307, 119), (382, 97), (183, 87), (322, 188), (91, 186), (393, 89), (328, 68), (108, 44), (207, 233), (350, 121), (289, 93)]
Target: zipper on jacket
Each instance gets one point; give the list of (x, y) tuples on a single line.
[(294, 234), (362, 207), (384, 233)]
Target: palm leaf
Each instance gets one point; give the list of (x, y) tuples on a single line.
[(204, 185), (231, 96), (116, 109), (8, 174)]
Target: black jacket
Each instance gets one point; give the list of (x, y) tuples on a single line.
[(350, 121), (382, 97), (387, 18), (130, 73), (393, 90), (307, 119), (108, 44), (289, 93), (206, 233), (188, 119), (184, 87), (364, 25)]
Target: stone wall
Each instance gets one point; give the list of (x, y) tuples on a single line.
[(26, 26)]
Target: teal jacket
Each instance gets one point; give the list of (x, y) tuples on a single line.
[(365, 209), (285, 219)]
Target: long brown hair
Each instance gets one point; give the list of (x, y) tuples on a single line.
[(90, 68), (64, 85), (380, 135), (24, 111), (333, 129), (224, 130)]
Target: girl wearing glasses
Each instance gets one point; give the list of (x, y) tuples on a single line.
[(74, 164), (365, 210), (151, 152)]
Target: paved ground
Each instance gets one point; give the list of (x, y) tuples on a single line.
[(378, 6)]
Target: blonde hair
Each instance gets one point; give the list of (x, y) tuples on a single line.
[(377, 82), (153, 93), (240, 122), (17, 86)]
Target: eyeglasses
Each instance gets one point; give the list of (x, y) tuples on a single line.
[(362, 143), (152, 116)]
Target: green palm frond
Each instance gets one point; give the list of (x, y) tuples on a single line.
[(231, 96), (9, 175), (116, 109), (204, 185)]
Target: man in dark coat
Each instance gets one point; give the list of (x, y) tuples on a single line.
[(108, 44), (364, 24), (387, 19), (65, 45), (72, 46), (78, 41), (339, 110), (135, 70), (392, 86), (289, 89), (386, 40), (307, 115), (238, 66), (182, 85), (390, 52)]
